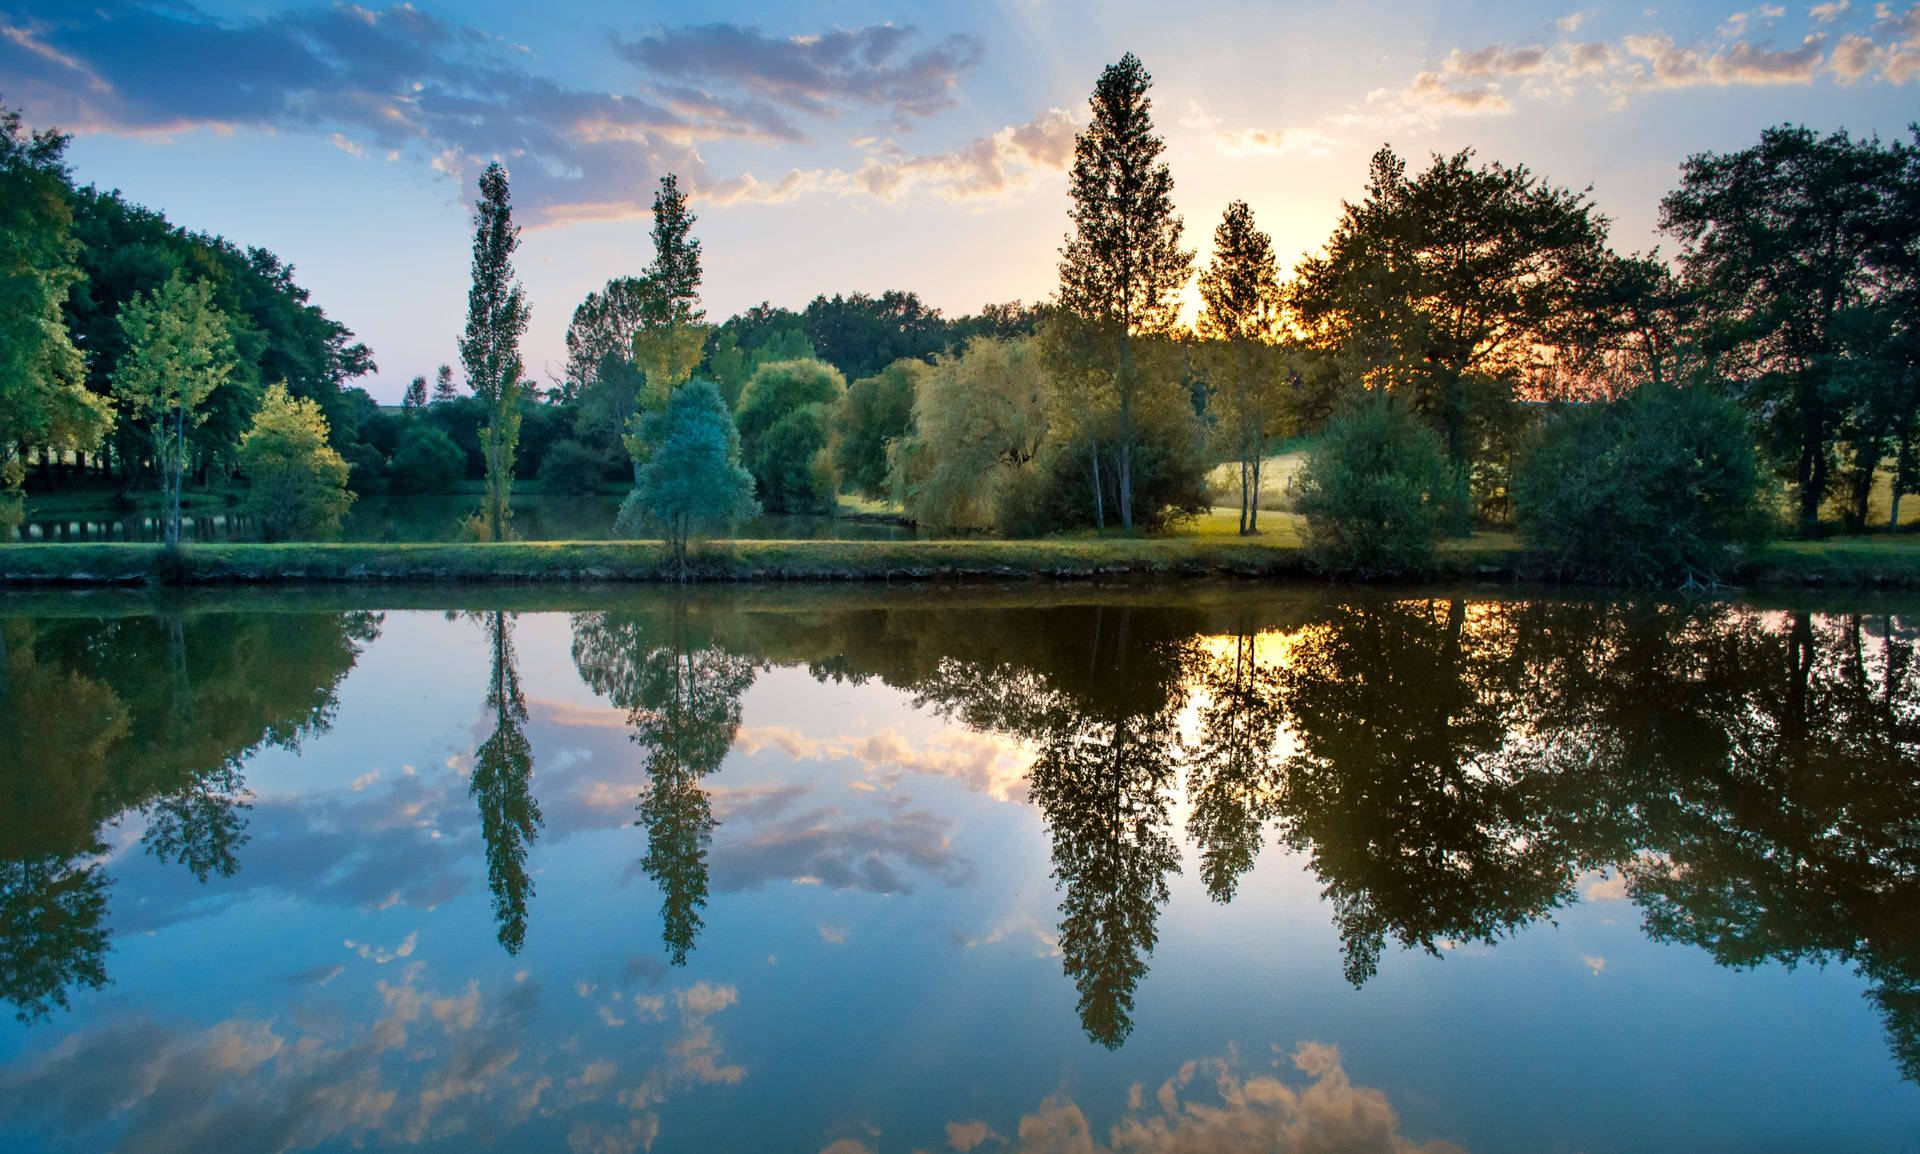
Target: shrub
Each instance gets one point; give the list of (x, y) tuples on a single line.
[(297, 482), (572, 469), (1377, 491), (1660, 485), (427, 461)]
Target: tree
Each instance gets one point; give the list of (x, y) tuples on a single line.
[(692, 483), (297, 482), (416, 397), (178, 351), (497, 317), (861, 334), (443, 390), (783, 434), (1122, 268), (1784, 242), (876, 412), (426, 461), (606, 323), (1377, 491), (675, 271), (1240, 317), (667, 347), (979, 420), (502, 785), (1660, 484), (44, 402), (1450, 286)]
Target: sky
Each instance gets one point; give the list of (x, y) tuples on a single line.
[(864, 146)]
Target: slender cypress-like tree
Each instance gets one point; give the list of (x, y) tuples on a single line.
[(675, 270), (497, 316), (1240, 292), (443, 389), (1122, 267)]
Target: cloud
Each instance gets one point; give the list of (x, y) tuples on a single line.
[(1853, 58), (1430, 92), (1238, 1114), (984, 762), (1829, 12), (404, 83), (1274, 142), (817, 75), (1570, 22), (1498, 60)]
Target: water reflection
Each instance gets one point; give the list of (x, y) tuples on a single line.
[(1448, 770), (682, 698), (503, 785), (153, 714)]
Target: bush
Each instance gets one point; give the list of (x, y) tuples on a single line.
[(1377, 491), (1661, 485), (365, 466), (427, 461), (572, 469), (297, 484)]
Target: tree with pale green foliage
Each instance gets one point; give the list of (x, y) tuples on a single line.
[(692, 483), (783, 417), (298, 483), (179, 349), (497, 316), (876, 413), (44, 402), (1239, 321)]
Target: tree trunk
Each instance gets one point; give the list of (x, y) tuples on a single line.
[(1902, 464), (1099, 502), (1253, 516), (1243, 492), (1126, 476)]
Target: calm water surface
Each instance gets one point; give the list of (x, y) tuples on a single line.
[(1204, 870)]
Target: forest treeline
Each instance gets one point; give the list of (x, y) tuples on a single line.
[(1466, 350)]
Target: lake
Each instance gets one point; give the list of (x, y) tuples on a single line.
[(1198, 868)]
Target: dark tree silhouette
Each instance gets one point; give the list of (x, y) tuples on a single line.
[(502, 783)]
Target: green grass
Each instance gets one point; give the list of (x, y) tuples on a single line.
[(823, 560)]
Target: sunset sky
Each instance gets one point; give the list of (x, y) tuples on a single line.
[(867, 146)]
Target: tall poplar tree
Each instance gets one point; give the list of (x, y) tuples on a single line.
[(497, 316), (1240, 292), (668, 345), (1122, 267)]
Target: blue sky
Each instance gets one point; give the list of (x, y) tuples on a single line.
[(870, 146)]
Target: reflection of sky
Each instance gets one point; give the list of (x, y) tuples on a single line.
[(877, 969)]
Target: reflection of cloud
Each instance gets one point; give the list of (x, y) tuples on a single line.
[(833, 933), (1250, 1114), (1605, 888), (826, 846), (984, 762), (469, 1068), (1596, 964), (1048, 939), (964, 1136), (381, 957)]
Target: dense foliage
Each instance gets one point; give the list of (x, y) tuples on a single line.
[(296, 482), (1377, 491), (1659, 486)]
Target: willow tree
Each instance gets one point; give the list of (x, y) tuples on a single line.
[(1240, 292), (1121, 271), (497, 315), (179, 349)]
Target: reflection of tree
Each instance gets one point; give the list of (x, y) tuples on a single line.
[(1233, 777), (100, 716), (1103, 712), (683, 702), (1416, 825), (1798, 844), (503, 784)]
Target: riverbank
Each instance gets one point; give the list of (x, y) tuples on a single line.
[(1880, 562)]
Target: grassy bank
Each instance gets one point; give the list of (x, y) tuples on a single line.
[(826, 560)]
